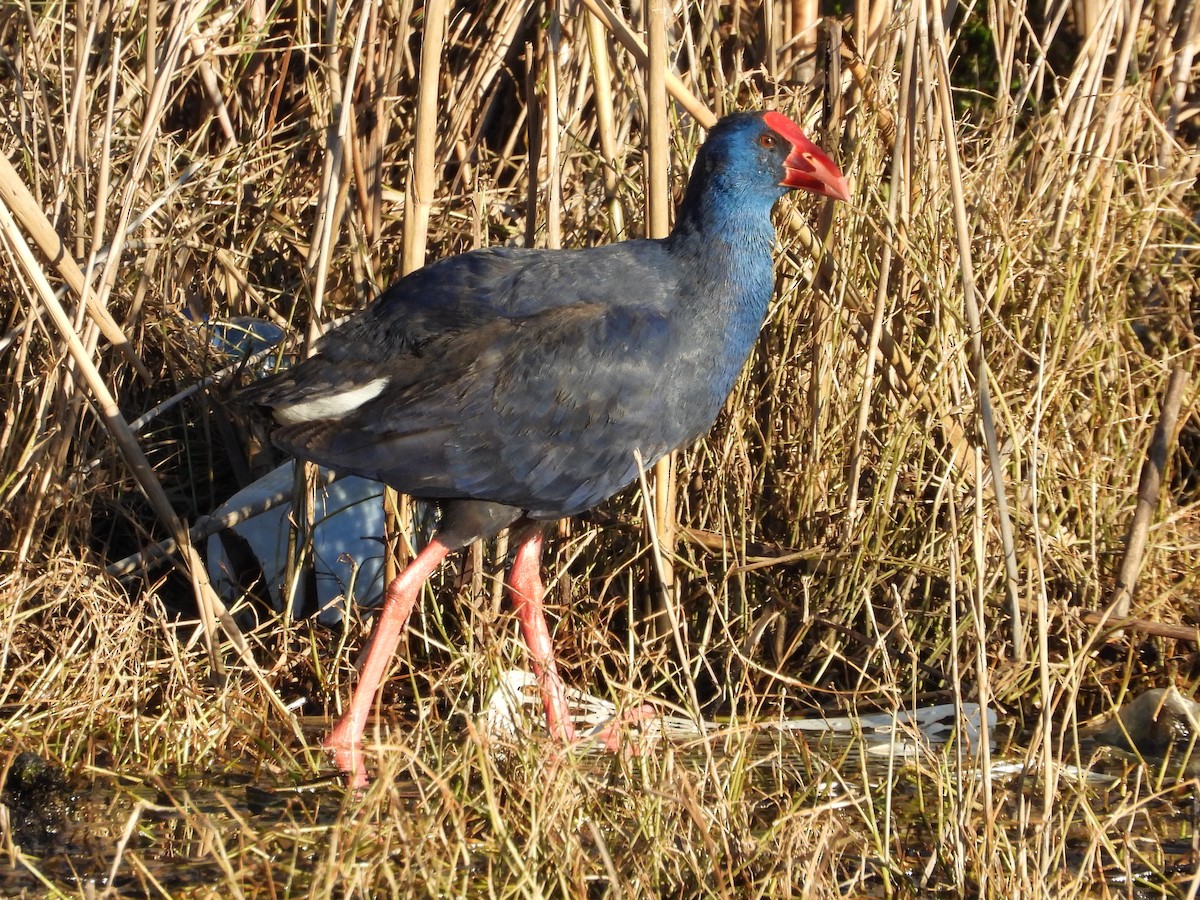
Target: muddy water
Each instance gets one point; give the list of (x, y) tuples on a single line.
[(165, 835), (148, 835)]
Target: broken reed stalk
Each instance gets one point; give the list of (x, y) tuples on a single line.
[(533, 135), (658, 225), (605, 121), (1149, 486), (26, 210), (75, 128), (551, 126), (658, 194), (329, 209), (418, 202), (422, 183), (102, 184), (211, 608)]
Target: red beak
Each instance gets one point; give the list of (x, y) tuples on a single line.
[(807, 167)]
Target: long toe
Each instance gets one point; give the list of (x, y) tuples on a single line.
[(618, 735)]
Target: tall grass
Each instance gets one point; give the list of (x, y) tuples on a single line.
[(921, 490)]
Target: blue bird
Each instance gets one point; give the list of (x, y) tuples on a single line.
[(516, 387)]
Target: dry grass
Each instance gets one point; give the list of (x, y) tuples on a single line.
[(840, 543)]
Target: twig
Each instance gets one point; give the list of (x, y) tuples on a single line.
[(1113, 624), (1149, 485)]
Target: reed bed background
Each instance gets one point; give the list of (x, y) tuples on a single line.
[(922, 491)]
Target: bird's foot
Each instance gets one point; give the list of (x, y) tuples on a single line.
[(616, 735), (348, 756)]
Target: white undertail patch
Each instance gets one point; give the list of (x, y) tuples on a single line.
[(329, 406)]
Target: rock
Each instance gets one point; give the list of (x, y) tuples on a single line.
[(1156, 724)]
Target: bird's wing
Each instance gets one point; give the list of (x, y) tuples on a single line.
[(454, 296), (541, 412), (447, 302)]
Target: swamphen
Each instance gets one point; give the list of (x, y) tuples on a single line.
[(516, 386)]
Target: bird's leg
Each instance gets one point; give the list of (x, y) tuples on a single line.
[(525, 585), (345, 740)]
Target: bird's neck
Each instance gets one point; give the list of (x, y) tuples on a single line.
[(722, 239), (722, 245), (719, 208)]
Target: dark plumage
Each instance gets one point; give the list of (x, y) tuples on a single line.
[(516, 385)]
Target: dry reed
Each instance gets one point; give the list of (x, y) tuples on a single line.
[(919, 492)]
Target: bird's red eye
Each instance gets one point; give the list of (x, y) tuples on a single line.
[(767, 140)]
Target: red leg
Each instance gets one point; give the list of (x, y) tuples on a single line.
[(525, 585), (345, 740)]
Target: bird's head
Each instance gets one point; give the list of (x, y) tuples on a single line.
[(768, 151)]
